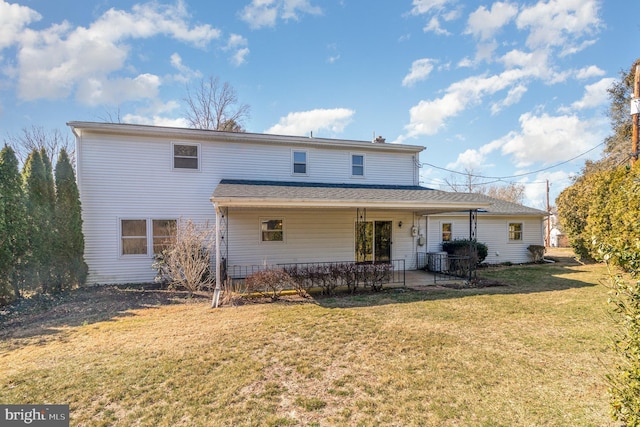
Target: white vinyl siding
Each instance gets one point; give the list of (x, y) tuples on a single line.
[(492, 231), (311, 236), (125, 177)]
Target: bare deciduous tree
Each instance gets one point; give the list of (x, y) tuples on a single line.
[(512, 192), (37, 138), (213, 105), (468, 183)]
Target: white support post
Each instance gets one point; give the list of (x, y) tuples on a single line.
[(216, 292)]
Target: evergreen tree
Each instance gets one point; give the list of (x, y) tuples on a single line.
[(37, 196), (69, 248), (13, 225)]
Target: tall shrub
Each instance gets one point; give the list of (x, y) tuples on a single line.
[(13, 225), (39, 216), (70, 268), (616, 235)]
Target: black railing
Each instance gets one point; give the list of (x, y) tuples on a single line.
[(392, 272), (444, 266)]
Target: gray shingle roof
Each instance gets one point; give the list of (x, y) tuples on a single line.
[(249, 193), (301, 194)]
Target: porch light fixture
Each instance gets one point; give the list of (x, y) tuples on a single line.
[(399, 224)]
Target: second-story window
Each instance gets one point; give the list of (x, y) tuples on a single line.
[(357, 165), (185, 156), (300, 162)]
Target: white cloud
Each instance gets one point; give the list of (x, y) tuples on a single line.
[(421, 7), (238, 45), (433, 26), (185, 73), (265, 13), (588, 72), (513, 97), (13, 19), (475, 159), (301, 123), (428, 117), (484, 23), (56, 61), (559, 23), (595, 94), (420, 70), (156, 121), (550, 139), (95, 91)]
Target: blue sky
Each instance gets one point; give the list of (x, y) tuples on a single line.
[(502, 89)]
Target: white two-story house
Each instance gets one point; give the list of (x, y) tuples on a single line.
[(275, 199)]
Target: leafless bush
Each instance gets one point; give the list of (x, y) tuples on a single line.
[(269, 283), (186, 263), (233, 292), (301, 280)]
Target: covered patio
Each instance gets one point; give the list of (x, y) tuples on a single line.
[(351, 207)]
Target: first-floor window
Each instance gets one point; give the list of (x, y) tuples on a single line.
[(515, 231), (164, 234), (447, 231), (134, 236), (271, 230)]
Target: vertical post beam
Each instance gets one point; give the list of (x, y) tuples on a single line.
[(634, 118), (216, 293), (473, 234)]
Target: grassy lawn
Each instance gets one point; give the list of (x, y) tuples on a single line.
[(532, 353)]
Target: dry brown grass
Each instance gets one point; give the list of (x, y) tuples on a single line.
[(527, 354)]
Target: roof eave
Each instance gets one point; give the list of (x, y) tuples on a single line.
[(235, 202), (210, 135)]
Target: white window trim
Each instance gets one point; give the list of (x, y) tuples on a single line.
[(440, 231), (199, 146), (364, 165), (149, 236), (306, 168), (120, 237), (509, 240), (272, 242)]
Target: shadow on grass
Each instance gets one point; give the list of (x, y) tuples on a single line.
[(44, 315), (563, 274), (33, 320)]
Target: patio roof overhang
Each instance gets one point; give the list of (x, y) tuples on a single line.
[(232, 193)]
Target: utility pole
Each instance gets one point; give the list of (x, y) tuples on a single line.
[(634, 116), (548, 218)]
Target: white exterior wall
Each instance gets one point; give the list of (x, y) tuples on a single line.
[(310, 235), (492, 231), (131, 177)]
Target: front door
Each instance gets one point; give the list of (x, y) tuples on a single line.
[(373, 241)]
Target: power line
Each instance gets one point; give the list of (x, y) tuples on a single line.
[(499, 178)]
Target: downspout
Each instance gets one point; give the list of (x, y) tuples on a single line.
[(216, 291)]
